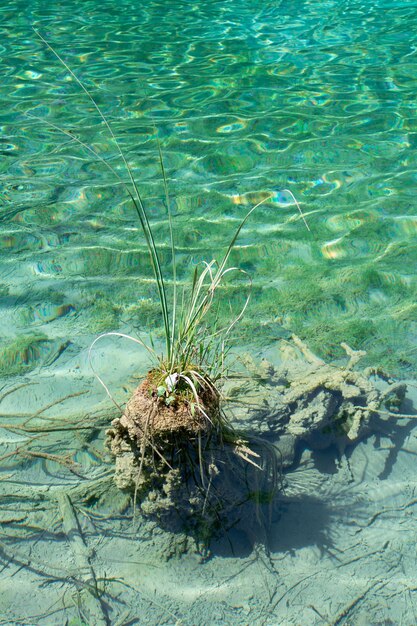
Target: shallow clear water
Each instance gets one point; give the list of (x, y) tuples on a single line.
[(248, 99)]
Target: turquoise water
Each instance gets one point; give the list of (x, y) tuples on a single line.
[(248, 99)]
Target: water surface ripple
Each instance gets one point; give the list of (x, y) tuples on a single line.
[(318, 98)]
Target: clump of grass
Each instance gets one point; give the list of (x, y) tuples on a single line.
[(179, 402)]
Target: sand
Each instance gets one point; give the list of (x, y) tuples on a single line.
[(336, 547)]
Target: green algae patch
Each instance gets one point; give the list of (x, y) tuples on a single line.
[(22, 354), (104, 314), (145, 312), (27, 352)]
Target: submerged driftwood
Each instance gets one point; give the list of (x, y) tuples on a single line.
[(307, 400)]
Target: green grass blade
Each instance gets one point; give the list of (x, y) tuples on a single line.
[(138, 204), (172, 243)]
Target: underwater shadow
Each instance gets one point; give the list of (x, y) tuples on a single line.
[(303, 521), (293, 523), (398, 433)]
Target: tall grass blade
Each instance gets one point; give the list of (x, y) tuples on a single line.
[(172, 242), (137, 201)]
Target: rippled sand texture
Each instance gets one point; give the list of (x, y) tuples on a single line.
[(248, 99)]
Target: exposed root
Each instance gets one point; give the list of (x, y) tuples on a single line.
[(31, 434), (92, 605)]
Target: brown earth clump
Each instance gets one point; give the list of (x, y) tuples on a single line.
[(149, 420), (158, 440), (147, 414)]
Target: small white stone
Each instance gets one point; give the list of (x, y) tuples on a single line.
[(171, 381)]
